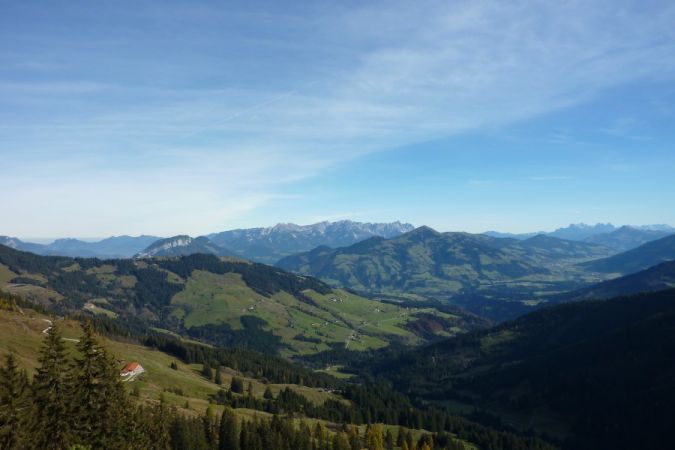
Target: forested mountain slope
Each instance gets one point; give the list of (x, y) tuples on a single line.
[(474, 271), (640, 258), (223, 302), (270, 244), (601, 373)]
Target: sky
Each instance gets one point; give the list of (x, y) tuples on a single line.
[(166, 117)]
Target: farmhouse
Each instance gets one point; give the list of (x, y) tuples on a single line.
[(132, 369)]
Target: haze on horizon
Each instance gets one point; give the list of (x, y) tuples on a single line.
[(169, 118)]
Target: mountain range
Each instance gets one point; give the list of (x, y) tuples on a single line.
[(109, 248), (640, 258), (181, 245), (265, 245), (223, 301), (617, 238), (657, 278), (472, 270), (268, 245)]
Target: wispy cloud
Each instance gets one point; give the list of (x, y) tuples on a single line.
[(399, 74), (549, 178)]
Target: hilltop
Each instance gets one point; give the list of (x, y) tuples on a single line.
[(270, 244), (181, 245), (223, 302), (474, 271)]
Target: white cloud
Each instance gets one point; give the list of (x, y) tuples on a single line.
[(180, 159)]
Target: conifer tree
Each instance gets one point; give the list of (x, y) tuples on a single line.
[(13, 390), (210, 424), (87, 394), (228, 434), (237, 385), (218, 378), (354, 440), (410, 440), (50, 424), (158, 421), (374, 437), (268, 394), (389, 440), (341, 441), (206, 371), (400, 437), (115, 405)]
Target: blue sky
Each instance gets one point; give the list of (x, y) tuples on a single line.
[(193, 117)]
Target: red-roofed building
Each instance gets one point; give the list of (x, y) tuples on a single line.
[(132, 369)]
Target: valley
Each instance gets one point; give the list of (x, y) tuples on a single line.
[(222, 302), (399, 331)]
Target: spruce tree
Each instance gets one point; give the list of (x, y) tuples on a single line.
[(389, 440), (268, 394), (51, 424), (400, 437), (210, 425), (341, 441), (237, 385), (13, 390), (374, 437), (116, 405), (228, 434), (218, 379), (86, 393), (206, 371)]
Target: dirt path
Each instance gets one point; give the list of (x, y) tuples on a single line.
[(50, 327)]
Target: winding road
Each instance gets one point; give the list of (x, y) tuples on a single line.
[(49, 328)]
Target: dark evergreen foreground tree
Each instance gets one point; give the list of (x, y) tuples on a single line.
[(50, 420), (13, 387), (80, 404)]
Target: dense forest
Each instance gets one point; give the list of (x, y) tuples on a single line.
[(79, 403), (604, 368)]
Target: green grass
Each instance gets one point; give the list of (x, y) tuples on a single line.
[(22, 335), (5, 274), (210, 298)]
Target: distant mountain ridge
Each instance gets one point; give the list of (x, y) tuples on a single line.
[(626, 237), (449, 266), (265, 244), (182, 245), (653, 279), (637, 259), (270, 244), (109, 248)]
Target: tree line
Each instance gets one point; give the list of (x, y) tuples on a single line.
[(79, 402)]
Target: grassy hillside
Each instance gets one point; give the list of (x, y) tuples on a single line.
[(474, 271), (184, 387), (305, 325), (222, 302), (22, 334)]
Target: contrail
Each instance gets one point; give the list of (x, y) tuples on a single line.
[(243, 112)]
